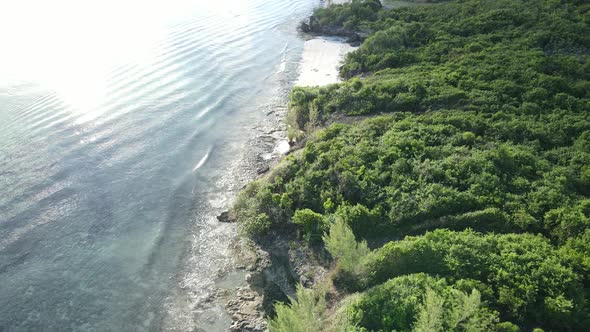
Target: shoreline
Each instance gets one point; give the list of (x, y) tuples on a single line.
[(319, 65), (245, 302), (202, 306)]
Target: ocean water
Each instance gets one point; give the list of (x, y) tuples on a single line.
[(123, 129)]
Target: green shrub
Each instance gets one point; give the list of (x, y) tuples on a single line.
[(341, 244), (258, 209), (305, 313), (257, 225), (530, 279), (468, 138), (312, 224), (349, 15), (419, 302), (508, 327), (362, 221)]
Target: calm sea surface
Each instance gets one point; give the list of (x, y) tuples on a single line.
[(121, 123)]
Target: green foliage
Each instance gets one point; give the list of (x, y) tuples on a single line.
[(341, 244), (257, 224), (418, 302), (311, 223), (348, 15), (362, 221), (393, 305), (531, 281), (300, 115), (404, 174), (430, 316), (466, 314), (577, 252), (483, 131), (258, 209), (569, 221), (508, 327), (490, 56), (306, 313), (463, 312)]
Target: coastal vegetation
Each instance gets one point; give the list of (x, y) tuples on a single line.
[(448, 178)]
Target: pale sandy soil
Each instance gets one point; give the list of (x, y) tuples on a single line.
[(321, 60)]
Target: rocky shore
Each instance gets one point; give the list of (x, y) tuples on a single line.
[(313, 27), (271, 267)]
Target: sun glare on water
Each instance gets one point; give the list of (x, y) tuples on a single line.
[(71, 47)]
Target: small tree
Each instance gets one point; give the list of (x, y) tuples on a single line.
[(305, 313), (430, 318), (341, 244)]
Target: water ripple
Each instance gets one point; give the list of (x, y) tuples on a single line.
[(111, 174)]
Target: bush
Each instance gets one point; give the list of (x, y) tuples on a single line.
[(349, 15), (257, 225), (419, 302), (362, 221), (312, 224), (531, 281), (341, 244), (305, 313)]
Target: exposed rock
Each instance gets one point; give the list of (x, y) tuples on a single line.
[(307, 273), (263, 169), (225, 216), (313, 26), (274, 267), (305, 27), (246, 311)]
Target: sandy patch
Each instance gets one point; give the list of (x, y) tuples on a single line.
[(321, 61)]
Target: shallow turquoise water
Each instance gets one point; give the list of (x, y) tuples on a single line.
[(118, 126)]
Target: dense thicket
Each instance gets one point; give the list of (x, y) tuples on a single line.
[(517, 57), (521, 275), (349, 15), (489, 130)]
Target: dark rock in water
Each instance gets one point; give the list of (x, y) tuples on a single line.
[(312, 25), (305, 27), (263, 169), (225, 216)]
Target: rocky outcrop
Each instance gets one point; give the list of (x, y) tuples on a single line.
[(246, 311), (274, 268), (313, 26), (226, 216)]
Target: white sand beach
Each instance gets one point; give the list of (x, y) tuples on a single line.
[(321, 60)]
